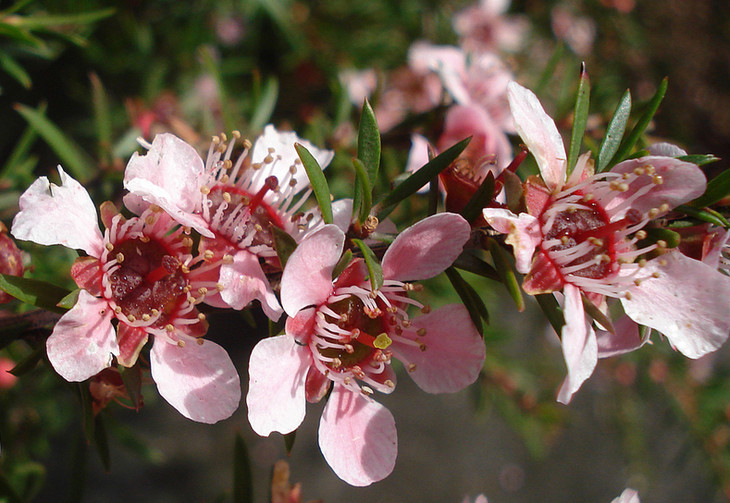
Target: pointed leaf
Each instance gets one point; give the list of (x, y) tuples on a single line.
[(101, 442), (699, 159), (102, 117), (362, 198), (289, 439), (342, 263), (33, 476), (410, 185), (467, 261), (670, 237), (506, 273), (69, 300), (34, 292), (317, 180), (549, 305), (580, 118), (15, 70), (643, 121), (614, 132), (242, 476), (284, 244), (265, 104), (481, 198), (470, 298), (706, 215), (29, 362), (277, 327), (368, 142), (71, 155), (595, 313), (36, 21), (371, 261), (717, 188), (132, 379)]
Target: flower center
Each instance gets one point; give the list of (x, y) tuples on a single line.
[(148, 281)]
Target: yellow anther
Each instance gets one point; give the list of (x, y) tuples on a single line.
[(246, 143), (118, 309), (120, 257), (132, 318), (200, 341), (208, 255), (146, 317), (641, 234), (268, 159), (657, 180), (655, 274), (201, 316), (155, 312), (227, 197), (109, 246), (169, 327), (661, 244), (236, 133), (389, 383), (411, 367), (421, 332), (227, 259), (382, 341), (205, 190)]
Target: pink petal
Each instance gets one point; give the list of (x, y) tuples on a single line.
[(301, 326), (285, 157), (580, 348), (680, 182), (342, 213), (523, 234), (199, 380), (276, 394), (83, 341), (316, 385), (169, 175), (426, 248), (454, 350), (689, 303), (539, 133), (307, 277), (357, 437), (628, 496), (626, 338), (418, 154), (86, 272), (243, 280), (52, 215)]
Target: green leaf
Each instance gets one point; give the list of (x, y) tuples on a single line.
[(284, 244), (69, 300), (211, 63), (342, 263), (87, 411), (699, 159), (371, 261), (102, 117), (33, 476), (15, 70), (17, 166), (717, 188), (481, 198), (549, 69), (289, 439), (368, 142), (410, 185), (643, 121), (265, 104), (51, 21), (670, 237), (242, 475), (552, 310), (132, 379), (7, 491), (29, 362), (362, 198), (580, 117), (277, 327), (706, 215), (595, 313), (614, 132), (506, 273), (34, 292), (318, 181), (467, 261), (470, 298), (101, 442), (71, 155)]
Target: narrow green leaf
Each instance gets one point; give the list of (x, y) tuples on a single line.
[(132, 379), (101, 443), (211, 64), (470, 298), (580, 117), (87, 411), (595, 313), (318, 181), (434, 196), (23, 36), (342, 263), (102, 117), (670, 237), (467, 261), (51, 21), (362, 198), (15, 70), (289, 439), (16, 166), (33, 476), (368, 142), (481, 198), (549, 70), (265, 104), (7, 490), (643, 122), (717, 188), (69, 300), (420, 178), (552, 310), (71, 155), (34, 292), (371, 261), (15, 7), (699, 159), (706, 215), (614, 132), (284, 244), (506, 273), (242, 475), (29, 362), (277, 327)]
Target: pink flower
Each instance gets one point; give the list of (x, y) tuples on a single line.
[(140, 273), (580, 236), (232, 204), (485, 27), (628, 496), (341, 336)]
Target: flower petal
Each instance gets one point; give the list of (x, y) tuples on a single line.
[(357, 437), (688, 302), (199, 380), (83, 341), (276, 394), (453, 355), (539, 133), (243, 280), (626, 338), (58, 215), (523, 234), (580, 348), (307, 277), (426, 248)]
